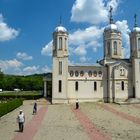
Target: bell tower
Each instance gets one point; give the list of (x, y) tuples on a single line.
[(60, 65), (135, 58), (135, 40), (112, 40)]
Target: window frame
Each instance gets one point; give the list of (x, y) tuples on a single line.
[(60, 43), (115, 47)]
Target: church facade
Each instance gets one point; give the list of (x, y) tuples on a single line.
[(112, 79)]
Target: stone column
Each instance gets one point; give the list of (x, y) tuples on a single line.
[(45, 88)]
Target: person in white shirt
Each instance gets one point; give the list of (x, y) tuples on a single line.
[(77, 104), (21, 120)]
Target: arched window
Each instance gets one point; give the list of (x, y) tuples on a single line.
[(60, 43), (122, 85), (139, 44), (76, 73), (90, 73), (81, 73), (115, 47), (76, 86), (60, 67), (95, 73), (71, 73), (65, 43), (108, 48), (60, 86), (95, 86), (122, 72), (100, 73)]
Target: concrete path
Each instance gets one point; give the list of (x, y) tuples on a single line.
[(93, 121)]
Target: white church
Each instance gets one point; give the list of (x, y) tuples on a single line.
[(112, 79)]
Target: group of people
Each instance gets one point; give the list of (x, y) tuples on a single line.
[(21, 117)]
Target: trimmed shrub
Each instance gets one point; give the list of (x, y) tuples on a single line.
[(22, 95), (9, 105)]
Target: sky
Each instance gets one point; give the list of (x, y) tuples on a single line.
[(26, 28)]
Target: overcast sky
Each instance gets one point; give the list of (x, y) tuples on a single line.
[(26, 28)]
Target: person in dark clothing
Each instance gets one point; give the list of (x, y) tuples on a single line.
[(35, 108), (77, 104)]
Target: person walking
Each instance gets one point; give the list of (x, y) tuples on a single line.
[(77, 104), (35, 108), (21, 120)]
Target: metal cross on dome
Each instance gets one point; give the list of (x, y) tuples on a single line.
[(110, 18), (135, 17)]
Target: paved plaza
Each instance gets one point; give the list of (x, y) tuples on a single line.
[(93, 121)]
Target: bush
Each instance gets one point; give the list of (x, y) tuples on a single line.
[(9, 105), (24, 95)]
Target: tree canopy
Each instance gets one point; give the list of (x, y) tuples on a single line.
[(30, 82)]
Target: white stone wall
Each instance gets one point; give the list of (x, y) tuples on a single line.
[(56, 95), (136, 77), (86, 91), (120, 82)]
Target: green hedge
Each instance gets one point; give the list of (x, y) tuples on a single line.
[(9, 105), (23, 95)]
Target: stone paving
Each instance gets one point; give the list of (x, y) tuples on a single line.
[(93, 121)]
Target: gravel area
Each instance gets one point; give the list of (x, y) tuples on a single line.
[(60, 122), (115, 126), (129, 109)]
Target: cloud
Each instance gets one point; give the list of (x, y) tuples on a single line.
[(80, 50), (6, 32), (35, 69), (47, 50), (85, 35), (92, 11), (84, 59), (114, 4), (8, 64), (24, 56), (123, 27), (31, 69), (45, 69), (82, 40)]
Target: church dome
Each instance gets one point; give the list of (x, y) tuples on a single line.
[(111, 27), (136, 29), (60, 29)]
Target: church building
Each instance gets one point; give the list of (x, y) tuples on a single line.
[(114, 78)]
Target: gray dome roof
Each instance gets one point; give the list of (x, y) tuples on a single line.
[(112, 27), (136, 29), (60, 29)]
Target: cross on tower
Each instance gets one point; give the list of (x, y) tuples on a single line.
[(110, 18), (135, 18)]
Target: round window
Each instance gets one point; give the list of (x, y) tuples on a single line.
[(81, 73), (90, 73), (95, 73), (100, 73), (76, 73), (71, 73)]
